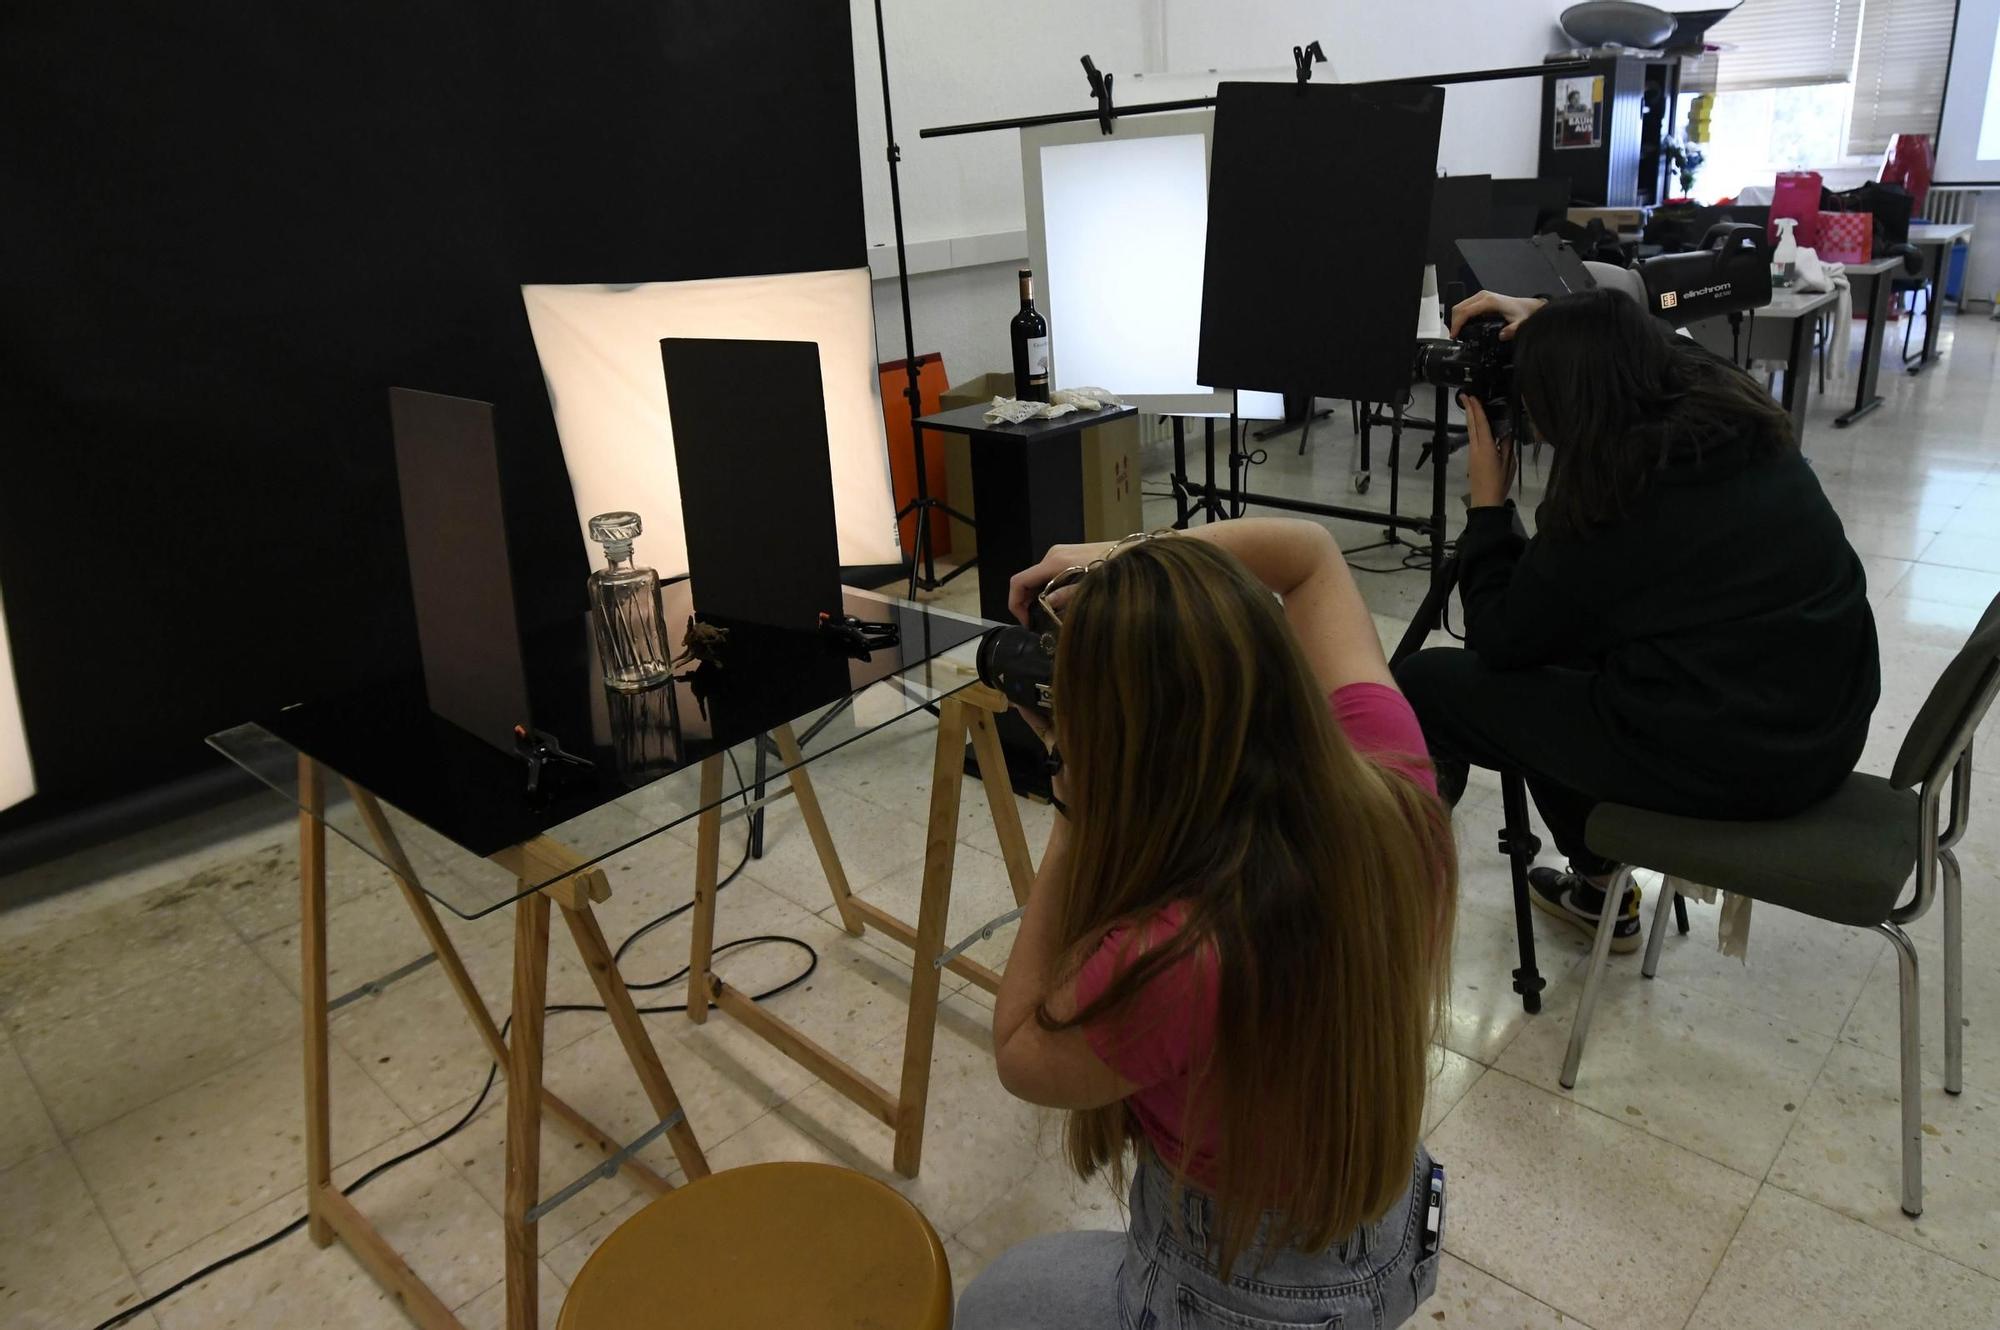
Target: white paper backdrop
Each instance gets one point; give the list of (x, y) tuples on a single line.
[(600, 353), (17, 777)]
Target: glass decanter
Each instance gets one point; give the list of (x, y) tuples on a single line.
[(625, 608)]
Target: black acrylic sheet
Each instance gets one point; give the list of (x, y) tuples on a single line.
[(455, 530), (1318, 211), (750, 447)]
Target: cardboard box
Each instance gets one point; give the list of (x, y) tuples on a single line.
[(1110, 468)]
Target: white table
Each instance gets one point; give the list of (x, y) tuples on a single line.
[(1781, 330), (1871, 283)]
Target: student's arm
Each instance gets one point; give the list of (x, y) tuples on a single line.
[(1297, 559), (1055, 1068), (1515, 615)]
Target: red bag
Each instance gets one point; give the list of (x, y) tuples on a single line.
[(1845, 237), (1797, 195)]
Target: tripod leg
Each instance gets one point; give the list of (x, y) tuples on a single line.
[(923, 542), (1440, 455), (1520, 845), (1180, 474), (757, 817)]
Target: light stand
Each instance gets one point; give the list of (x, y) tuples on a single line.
[(923, 564)]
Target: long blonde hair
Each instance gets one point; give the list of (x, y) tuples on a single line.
[(1205, 768)]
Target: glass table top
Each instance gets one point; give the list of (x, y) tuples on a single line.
[(452, 798)]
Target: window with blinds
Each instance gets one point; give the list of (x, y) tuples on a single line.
[(1788, 43), (1899, 73)]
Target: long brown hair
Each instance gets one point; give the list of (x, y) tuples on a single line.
[(1618, 398), (1205, 767)]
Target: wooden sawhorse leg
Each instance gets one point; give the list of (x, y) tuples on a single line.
[(967, 714), (520, 1055)]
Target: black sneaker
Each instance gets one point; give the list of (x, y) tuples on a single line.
[(1577, 901)]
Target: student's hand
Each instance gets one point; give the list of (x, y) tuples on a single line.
[(1039, 722), (1514, 309), (1023, 586), (1489, 463)]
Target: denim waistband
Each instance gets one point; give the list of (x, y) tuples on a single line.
[(1184, 1227)]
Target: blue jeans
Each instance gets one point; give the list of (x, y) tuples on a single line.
[(1161, 1273)]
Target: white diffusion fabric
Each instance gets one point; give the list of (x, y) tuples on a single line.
[(17, 777), (600, 352), (1124, 223), (1118, 230)]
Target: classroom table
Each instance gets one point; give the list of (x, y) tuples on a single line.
[(1781, 330), (1935, 240), (1871, 283)]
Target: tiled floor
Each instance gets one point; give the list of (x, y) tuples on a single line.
[(1728, 1157)]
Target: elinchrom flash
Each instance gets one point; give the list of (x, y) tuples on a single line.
[(1730, 273)]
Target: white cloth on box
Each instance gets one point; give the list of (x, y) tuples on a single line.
[(1013, 411), (1811, 273), (1732, 930)]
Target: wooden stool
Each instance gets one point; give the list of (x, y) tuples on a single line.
[(803, 1245)]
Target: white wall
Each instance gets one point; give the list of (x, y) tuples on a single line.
[(961, 313)]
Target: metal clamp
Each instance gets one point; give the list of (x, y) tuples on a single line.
[(375, 986), (612, 1163), (986, 930)]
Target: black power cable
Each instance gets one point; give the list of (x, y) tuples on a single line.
[(493, 1070)]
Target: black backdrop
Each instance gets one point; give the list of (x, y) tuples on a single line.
[(226, 230)]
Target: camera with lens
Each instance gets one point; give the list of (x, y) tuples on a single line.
[(1020, 663), (1477, 363)]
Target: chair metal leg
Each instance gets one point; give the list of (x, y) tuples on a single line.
[(1954, 975), (1658, 933), (1912, 1053), (1600, 952)]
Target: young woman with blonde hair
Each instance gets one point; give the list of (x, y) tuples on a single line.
[(1235, 953)]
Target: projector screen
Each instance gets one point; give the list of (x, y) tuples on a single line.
[(17, 778), (600, 353), (1117, 226), (1968, 144)]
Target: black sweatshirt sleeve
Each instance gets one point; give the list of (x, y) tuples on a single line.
[(1516, 614)]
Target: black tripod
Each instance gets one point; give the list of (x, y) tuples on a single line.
[(923, 565), (1517, 842)]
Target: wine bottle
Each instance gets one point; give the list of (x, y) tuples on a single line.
[(1030, 332)]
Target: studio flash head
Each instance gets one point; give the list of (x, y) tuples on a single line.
[(1729, 274)]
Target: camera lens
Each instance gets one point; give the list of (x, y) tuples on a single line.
[(1019, 663)]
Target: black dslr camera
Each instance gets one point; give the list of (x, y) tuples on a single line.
[(1020, 663), (1477, 363)]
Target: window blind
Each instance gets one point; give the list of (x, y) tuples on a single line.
[(1899, 72), (1788, 43)]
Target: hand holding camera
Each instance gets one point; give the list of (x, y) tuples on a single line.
[(1489, 462), (1512, 311)]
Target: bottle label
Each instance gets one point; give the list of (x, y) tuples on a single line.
[(1038, 357)]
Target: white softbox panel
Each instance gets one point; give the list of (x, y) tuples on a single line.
[(600, 353), (1118, 233), (17, 777)]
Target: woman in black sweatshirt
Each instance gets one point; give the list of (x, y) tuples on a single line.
[(1688, 631)]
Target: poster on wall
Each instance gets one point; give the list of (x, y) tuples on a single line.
[(1579, 112)]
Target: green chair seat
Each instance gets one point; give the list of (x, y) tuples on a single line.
[(1845, 859)]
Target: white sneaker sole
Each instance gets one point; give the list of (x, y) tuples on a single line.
[(1588, 927)]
